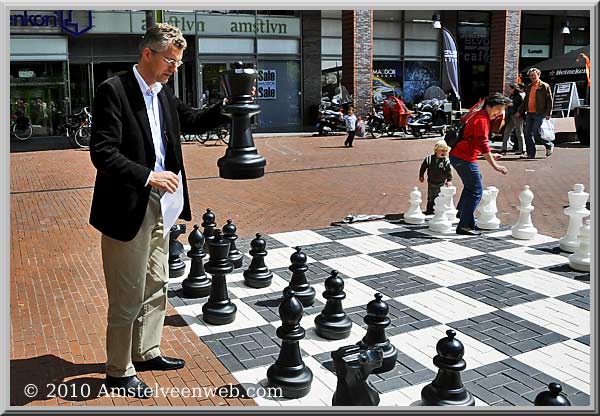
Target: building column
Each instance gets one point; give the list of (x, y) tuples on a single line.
[(357, 57), (504, 45), (311, 67)]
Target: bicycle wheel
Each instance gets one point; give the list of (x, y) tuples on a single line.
[(23, 133), (375, 129), (223, 134), (202, 138), (82, 137)]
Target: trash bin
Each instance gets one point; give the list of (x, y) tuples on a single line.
[(582, 123)]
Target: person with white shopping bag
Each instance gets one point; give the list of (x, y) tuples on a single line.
[(538, 106)]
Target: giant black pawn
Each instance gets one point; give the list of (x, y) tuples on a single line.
[(176, 264), (551, 397), (208, 226), (447, 388), (332, 322), (299, 283), (377, 320), (229, 233), (258, 274), (218, 310), (196, 284), (289, 372)]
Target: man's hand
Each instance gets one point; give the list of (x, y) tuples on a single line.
[(501, 169), (448, 183), (166, 181), (421, 179), (548, 117)]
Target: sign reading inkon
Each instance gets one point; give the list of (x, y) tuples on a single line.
[(267, 84), (73, 23)]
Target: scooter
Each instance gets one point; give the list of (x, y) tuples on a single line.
[(329, 119), (429, 119)]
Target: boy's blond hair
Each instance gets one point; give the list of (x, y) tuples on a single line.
[(441, 145)]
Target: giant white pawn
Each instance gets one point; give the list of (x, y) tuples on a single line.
[(487, 210), (451, 212), (580, 260), (524, 229), (439, 223), (414, 215), (576, 212)]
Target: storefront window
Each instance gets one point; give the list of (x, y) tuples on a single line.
[(331, 81), (37, 90), (387, 80), (418, 76), (279, 94), (474, 63)]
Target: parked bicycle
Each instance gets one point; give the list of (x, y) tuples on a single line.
[(22, 128), (219, 134), (78, 128)]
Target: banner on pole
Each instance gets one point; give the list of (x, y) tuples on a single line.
[(451, 61)]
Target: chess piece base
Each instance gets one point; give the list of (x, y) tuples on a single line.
[(582, 265), (430, 396), (415, 220), (258, 280), (492, 225), (305, 296), (237, 260), (294, 382), (568, 245), (176, 269), (243, 163), (196, 288), (441, 228), (333, 330), (524, 233), (219, 314)]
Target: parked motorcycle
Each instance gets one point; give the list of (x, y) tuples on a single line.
[(429, 118), (329, 117)]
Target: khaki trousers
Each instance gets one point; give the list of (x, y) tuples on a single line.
[(136, 274)]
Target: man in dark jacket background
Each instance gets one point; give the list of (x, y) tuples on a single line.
[(538, 105), (136, 149)]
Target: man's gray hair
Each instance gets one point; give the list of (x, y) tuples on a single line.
[(159, 36), (530, 70)]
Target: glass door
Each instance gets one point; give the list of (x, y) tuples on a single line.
[(211, 90)]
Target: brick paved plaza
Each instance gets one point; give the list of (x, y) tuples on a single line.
[(57, 294)]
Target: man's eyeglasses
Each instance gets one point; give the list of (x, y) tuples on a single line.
[(169, 61)]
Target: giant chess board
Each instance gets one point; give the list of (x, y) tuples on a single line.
[(521, 312)]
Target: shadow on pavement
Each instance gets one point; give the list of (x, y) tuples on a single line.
[(36, 144), (51, 371)]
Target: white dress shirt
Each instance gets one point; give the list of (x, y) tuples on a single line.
[(154, 117)]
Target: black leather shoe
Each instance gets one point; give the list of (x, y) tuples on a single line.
[(467, 231), (128, 386), (159, 363)]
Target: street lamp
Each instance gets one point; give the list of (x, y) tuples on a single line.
[(565, 28), (437, 24)]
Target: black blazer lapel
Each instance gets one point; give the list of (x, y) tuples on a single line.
[(172, 160), (138, 106)]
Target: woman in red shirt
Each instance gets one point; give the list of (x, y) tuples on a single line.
[(463, 158)]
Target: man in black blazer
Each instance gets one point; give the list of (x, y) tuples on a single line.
[(136, 149)]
